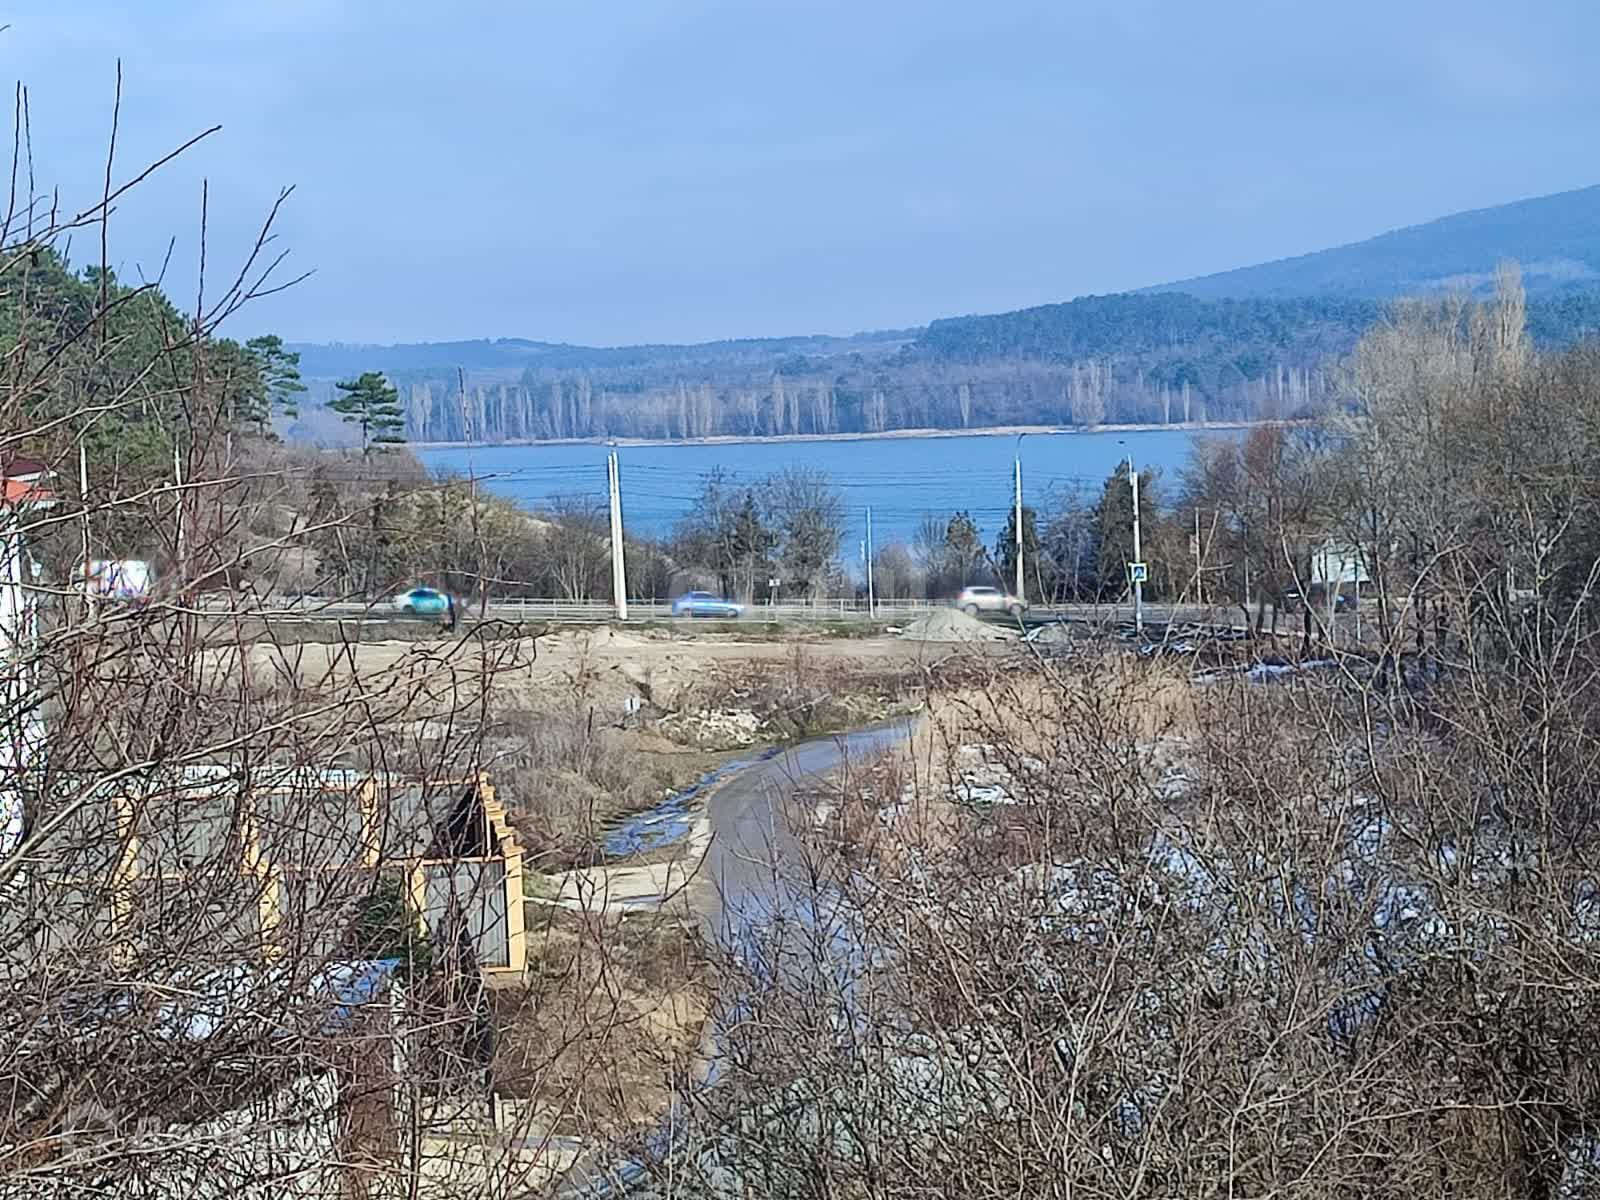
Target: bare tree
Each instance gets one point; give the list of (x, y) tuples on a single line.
[(257, 880), (807, 513)]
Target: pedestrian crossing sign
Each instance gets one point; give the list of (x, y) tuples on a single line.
[(1139, 572)]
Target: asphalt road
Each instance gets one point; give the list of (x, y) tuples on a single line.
[(759, 881), (755, 864), (312, 609)]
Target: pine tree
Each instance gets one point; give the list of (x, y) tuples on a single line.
[(371, 403), (749, 545), (1113, 523), (280, 376), (963, 549), (1005, 546)]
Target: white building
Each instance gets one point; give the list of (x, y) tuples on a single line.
[(22, 496), (1337, 564)]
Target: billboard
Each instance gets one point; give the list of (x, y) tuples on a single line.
[(118, 579)]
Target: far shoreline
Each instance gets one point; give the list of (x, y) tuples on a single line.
[(885, 435)]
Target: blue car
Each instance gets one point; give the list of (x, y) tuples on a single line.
[(422, 601), (704, 604)]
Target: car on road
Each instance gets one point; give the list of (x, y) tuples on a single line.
[(1295, 602), (704, 604), (975, 600), (422, 601)]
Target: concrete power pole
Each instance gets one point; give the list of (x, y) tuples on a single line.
[(177, 480), (1329, 570), (1138, 558), (83, 502), (1019, 594), (871, 606), (619, 576)]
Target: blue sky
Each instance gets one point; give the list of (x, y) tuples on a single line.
[(619, 172)]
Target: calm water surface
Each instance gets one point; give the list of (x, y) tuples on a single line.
[(901, 479)]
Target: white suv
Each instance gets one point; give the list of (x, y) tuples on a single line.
[(974, 600)]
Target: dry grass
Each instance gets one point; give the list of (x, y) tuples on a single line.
[(613, 1013), (1053, 732), (1123, 699), (570, 776), (805, 695)]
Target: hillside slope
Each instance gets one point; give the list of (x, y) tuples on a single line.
[(1244, 344), (1555, 238), (515, 355)]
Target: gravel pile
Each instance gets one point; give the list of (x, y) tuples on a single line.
[(713, 729), (1058, 634), (952, 625)]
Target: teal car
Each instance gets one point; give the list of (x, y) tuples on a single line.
[(704, 604), (422, 601)]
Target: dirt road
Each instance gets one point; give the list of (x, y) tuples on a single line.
[(740, 854), (753, 866)]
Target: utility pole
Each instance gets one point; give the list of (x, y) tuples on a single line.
[(619, 578), (472, 496), (1199, 579), (1138, 558), (871, 607), (177, 479), (83, 500), (1333, 585), (1019, 592)]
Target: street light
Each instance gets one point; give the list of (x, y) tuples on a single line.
[(1136, 569), (1018, 461)]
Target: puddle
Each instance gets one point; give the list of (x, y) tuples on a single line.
[(671, 820)]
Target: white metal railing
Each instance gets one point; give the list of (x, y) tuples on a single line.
[(520, 608), (313, 608)]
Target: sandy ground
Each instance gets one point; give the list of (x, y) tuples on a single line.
[(602, 669), (618, 661)]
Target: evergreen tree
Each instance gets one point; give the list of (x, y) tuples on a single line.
[(1113, 524), (386, 927), (750, 544), (279, 384), (1005, 549), (963, 549), (372, 404)]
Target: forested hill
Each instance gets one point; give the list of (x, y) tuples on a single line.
[(1150, 327), (338, 359), (1178, 335), (1243, 345), (1555, 238), (1155, 357)]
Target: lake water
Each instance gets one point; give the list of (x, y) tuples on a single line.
[(901, 479)]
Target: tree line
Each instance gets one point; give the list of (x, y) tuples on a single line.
[(1158, 358), (805, 398)]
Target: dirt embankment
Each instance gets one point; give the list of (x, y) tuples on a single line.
[(606, 723)]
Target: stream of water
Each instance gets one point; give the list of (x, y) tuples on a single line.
[(762, 894)]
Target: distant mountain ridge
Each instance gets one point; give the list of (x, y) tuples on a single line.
[(1555, 238), (1237, 345), (338, 359)]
